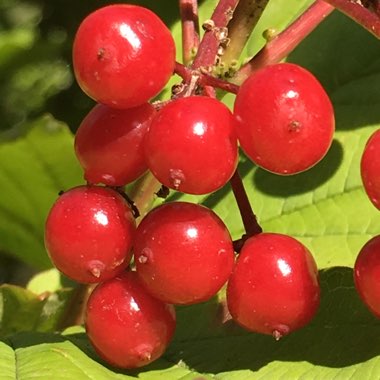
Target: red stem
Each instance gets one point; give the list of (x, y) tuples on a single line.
[(208, 48), (205, 79), (247, 215), (281, 45), (363, 16), (190, 28)]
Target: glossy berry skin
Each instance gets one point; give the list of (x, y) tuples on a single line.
[(367, 275), (370, 168), (285, 120), (123, 55), (108, 144), (89, 233), (183, 253), (126, 325), (274, 288), (191, 145)]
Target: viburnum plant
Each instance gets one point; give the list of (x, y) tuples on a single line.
[(169, 286)]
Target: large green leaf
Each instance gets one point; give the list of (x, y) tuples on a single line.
[(343, 339), (35, 166), (326, 208)]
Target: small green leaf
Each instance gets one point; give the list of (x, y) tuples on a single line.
[(22, 310)]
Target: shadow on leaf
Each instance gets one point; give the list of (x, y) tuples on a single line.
[(309, 180)]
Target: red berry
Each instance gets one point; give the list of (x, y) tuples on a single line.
[(285, 120), (123, 55), (108, 144), (127, 326), (191, 145), (89, 232), (183, 253), (370, 168), (274, 288), (367, 275)]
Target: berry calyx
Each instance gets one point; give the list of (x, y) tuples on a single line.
[(367, 274), (285, 119), (191, 145), (370, 168), (127, 326), (183, 253), (123, 55), (108, 144), (89, 233), (274, 288)]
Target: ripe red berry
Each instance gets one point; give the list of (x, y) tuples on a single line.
[(89, 232), (367, 275), (183, 253), (370, 168), (285, 120), (127, 326), (123, 55), (191, 145), (274, 288), (108, 144)]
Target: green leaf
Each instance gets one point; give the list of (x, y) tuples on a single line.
[(22, 310), (52, 356), (208, 345), (338, 61), (35, 166)]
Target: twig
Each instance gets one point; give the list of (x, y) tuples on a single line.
[(363, 16), (190, 29), (246, 16), (281, 45)]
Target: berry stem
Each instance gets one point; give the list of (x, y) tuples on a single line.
[(215, 32), (286, 41), (190, 29), (248, 217), (205, 79), (143, 193), (246, 16), (363, 16), (376, 6), (75, 312)]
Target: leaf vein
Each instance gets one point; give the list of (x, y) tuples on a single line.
[(314, 203)]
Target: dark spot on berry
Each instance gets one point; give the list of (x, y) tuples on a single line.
[(294, 126), (101, 53)]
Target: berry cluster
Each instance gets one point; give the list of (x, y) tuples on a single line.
[(180, 253)]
